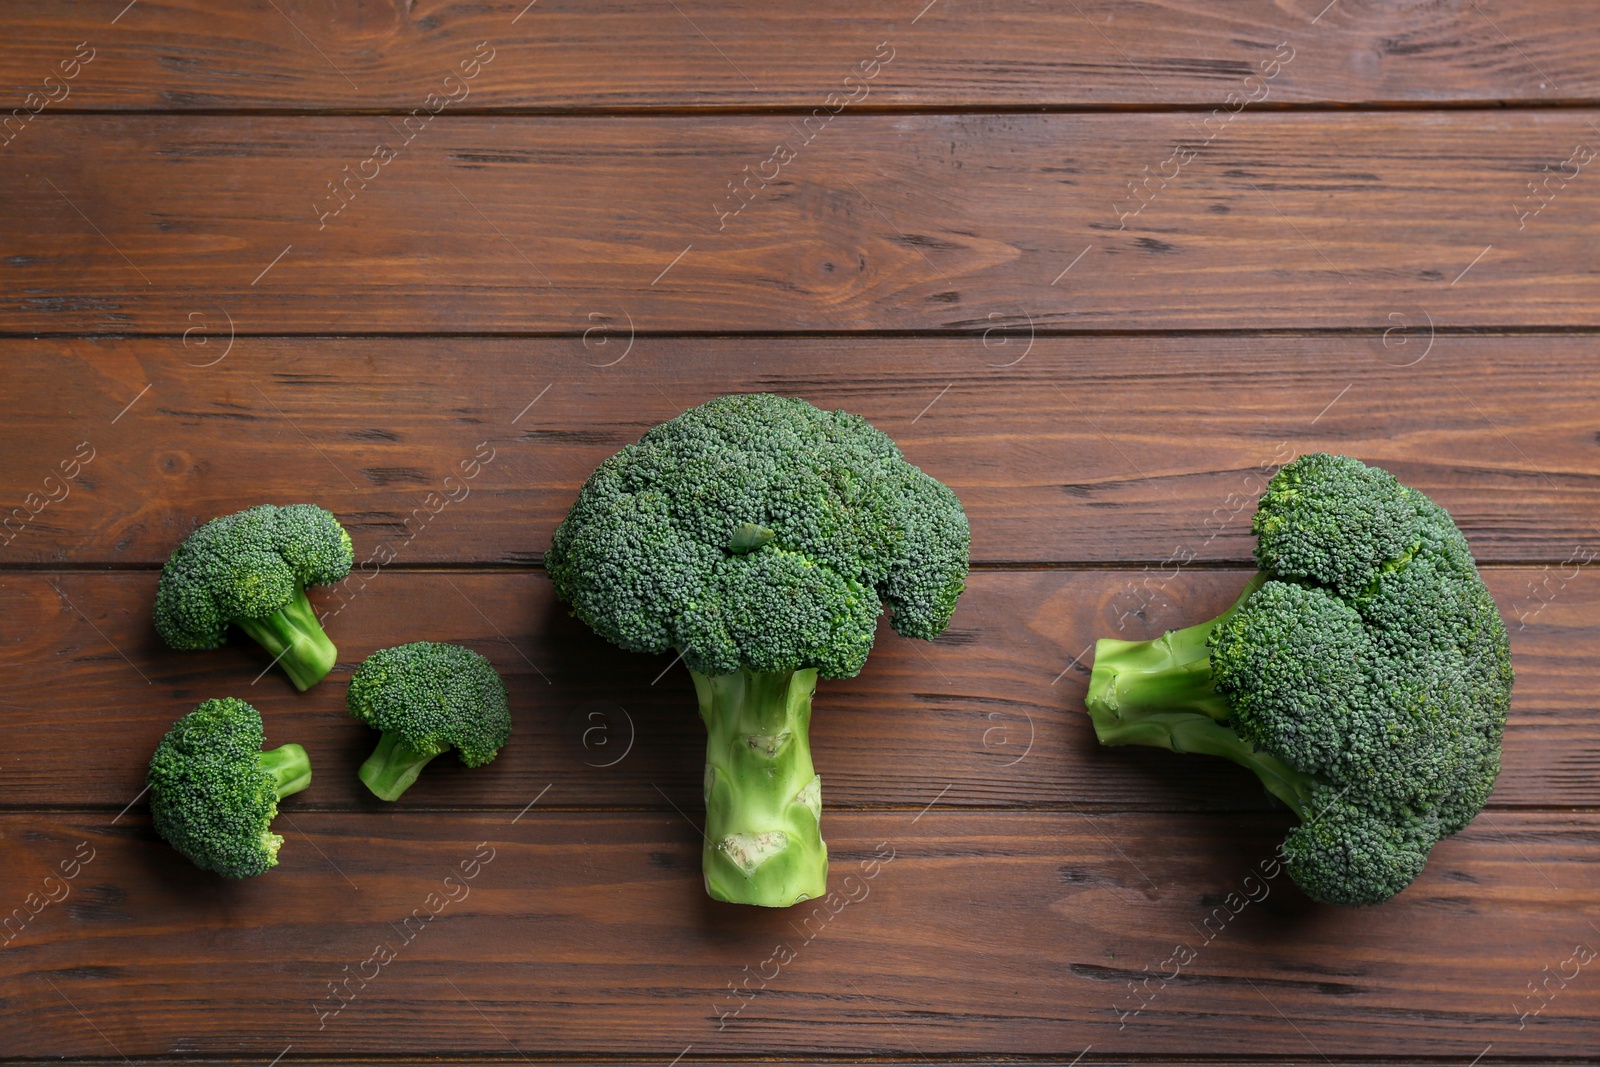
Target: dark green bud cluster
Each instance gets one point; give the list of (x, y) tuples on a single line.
[(759, 532)]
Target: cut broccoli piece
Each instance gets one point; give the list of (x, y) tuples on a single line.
[(251, 569), (214, 792), (427, 698)]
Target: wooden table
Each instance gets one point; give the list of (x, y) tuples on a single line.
[(1098, 266)]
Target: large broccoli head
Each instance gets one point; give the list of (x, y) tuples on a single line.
[(427, 697), (214, 793), (761, 538), (251, 569), (1365, 676), (758, 532)]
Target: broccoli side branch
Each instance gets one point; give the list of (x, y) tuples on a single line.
[(1161, 693)]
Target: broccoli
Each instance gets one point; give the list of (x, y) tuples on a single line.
[(427, 698), (214, 793), (760, 538), (1364, 675), (251, 569)]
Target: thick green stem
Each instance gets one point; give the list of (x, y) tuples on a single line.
[(289, 766), (295, 638), (1160, 693), (763, 839), (393, 767)]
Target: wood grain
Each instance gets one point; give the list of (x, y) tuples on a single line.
[(1087, 449), (988, 715), (316, 55), (591, 933), (925, 222)]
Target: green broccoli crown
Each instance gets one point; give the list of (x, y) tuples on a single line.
[(212, 796), (758, 532), (1373, 660), (245, 566), (433, 697)]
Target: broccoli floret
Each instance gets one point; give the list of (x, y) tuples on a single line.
[(760, 538), (1364, 675), (427, 698), (251, 569), (214, 793)]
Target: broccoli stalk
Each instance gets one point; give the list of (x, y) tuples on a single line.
[(296, 640), (394, 766), (1162, 693), (290, 768), (763, 839)]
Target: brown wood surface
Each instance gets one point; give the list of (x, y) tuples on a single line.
[(924, 222), (591, 932), (1366, 253), (318, 55), (990, 714), (1080, 450)]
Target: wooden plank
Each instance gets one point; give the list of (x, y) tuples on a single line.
[(989, 715), (590, 933), (1089, 449), (1021, 222), (726, 53)]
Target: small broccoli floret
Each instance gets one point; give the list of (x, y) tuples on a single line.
[(760, 538), (251, 569), (214, 793), (1365, 676), (427, 698)]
